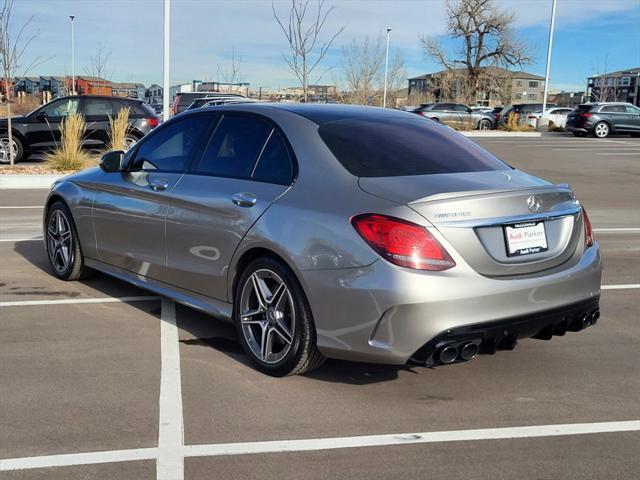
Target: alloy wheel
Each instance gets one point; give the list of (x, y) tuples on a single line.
[(4, 150), (59, 238), (602, 130), (485, 125), (129, 142), (267, 316)]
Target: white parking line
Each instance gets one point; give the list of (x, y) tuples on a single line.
[(628, 286), (21, 207), (410, 438), (170, 462), (22, 239), (316, 444), (637, 154), (88, 458), (71, 301)]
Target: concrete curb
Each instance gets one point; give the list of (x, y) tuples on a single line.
[(37, 181), (500, 133)]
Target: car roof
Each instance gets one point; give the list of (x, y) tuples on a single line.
[(319, 113), (107, 97)]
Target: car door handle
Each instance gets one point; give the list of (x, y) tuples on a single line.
[(158, 184), (244, 199)]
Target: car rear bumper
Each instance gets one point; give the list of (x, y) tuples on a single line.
[(386, 314)]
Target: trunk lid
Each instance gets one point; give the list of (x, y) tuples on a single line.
[(472, 211)]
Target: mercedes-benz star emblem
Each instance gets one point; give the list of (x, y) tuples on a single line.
[(533, 203)]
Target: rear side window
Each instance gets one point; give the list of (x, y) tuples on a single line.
[(404, 146), (274, 165), (582, 108), (99, 106), (614, 109), (235, 146), (170, 148)]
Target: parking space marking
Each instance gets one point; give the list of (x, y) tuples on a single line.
[(170, 462), (27, 239), (69, 459), (21, 207), (637, 153), (317, 444), (629, 286), (71, 301)]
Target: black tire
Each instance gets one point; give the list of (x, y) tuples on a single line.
[(579, 134), (603, 127), (485, 124), (302, 355), (75, 268), (4, 137)]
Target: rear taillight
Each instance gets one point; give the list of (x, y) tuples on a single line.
[(421, 114), (588, 231), (153, 122), (586, 115), (403, 243), (497, 115)]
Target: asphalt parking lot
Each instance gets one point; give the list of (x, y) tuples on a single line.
[(99, 379)]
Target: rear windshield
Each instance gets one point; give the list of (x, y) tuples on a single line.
[(582, 108), (401, 146)]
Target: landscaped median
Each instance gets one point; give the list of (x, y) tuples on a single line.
[(32, 176), (504, 133)]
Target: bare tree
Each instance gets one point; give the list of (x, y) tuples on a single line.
[(603, 89), (12, 48), (233, 74), (306, 51), (486, 40), (99, 63), (360, 65)]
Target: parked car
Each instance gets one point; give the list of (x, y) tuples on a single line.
[(215, 101), (182, 100), (456, 115), (40, 130), (338, 231), (603, 118), (557, 115), (522, 109), (496, 113), (482, 109)]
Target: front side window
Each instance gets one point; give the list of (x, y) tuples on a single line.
[(61, 108), (235, 146), (170, 148), (402, 146)]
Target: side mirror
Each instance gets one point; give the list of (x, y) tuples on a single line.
[(469, 110), (42, 116), (112, 161)]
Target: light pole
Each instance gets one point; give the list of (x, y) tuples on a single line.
[(546, 76), (166, 90), (386, 69), (73, 60)]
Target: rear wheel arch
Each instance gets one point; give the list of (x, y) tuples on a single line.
[(249, 256)]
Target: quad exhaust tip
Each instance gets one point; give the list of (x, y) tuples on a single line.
[(469, 351), (448, 354)]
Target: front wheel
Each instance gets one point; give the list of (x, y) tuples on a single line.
[(601, 130), (274, 321), (63, 245)]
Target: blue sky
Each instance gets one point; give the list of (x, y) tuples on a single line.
[(589, 34)]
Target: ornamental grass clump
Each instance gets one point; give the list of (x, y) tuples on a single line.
[(69, 154), (119, 126)]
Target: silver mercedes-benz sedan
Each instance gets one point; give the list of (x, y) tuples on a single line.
[(333, 231)]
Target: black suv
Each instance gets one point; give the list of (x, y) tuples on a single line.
[(601, 119), (40, 129)]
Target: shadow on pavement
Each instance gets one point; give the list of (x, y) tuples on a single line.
[(208, 332)]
